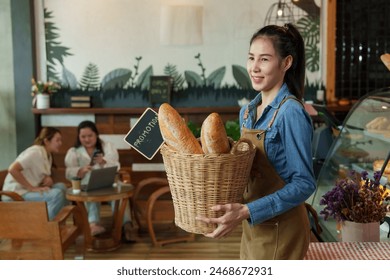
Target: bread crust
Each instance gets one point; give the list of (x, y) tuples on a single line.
[(213, 135), (377, 165), (175, 131), (386, 60), (379, 123)]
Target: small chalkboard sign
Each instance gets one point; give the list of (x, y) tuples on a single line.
[(160, 89), (145, 135)]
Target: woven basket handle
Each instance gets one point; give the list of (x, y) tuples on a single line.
[(238, 144)]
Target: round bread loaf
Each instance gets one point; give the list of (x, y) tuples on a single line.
[(213, 135), (377, 166), (379, 123), (175, 131)]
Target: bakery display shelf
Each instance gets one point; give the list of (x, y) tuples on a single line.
[(360, 167), (361, 143), (377, 135)]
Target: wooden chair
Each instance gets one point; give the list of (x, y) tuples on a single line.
[(26, 232), (153, 210), (3, 174)]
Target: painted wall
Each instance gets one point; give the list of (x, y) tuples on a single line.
[(16, 69), (7, 92), (113, 36)]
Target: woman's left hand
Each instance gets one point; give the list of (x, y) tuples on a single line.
[(47, 182), (235, 213), (98, 159)]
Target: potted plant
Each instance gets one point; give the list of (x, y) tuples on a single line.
[(41, 92), (358, 203)]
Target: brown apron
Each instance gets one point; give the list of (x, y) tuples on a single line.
[(283, 237)]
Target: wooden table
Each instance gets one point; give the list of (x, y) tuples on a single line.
[(348, 251), (112, 239)]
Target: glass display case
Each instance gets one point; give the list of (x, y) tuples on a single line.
[(363, 141)]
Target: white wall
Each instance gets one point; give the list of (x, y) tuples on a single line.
[(112, 33)]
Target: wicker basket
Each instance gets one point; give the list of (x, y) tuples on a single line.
[(199, 181)]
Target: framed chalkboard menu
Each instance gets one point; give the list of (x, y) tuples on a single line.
[(160, 89)]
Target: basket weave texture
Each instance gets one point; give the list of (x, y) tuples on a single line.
[(199, 181)]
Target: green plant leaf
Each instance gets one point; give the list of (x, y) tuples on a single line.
[(54, 50), (69, 80), (178, 80), (90, 79), (241, 76), (193, 79), (194, 129), (216, 77), (233, 129), (116, 78), (143, 80), (309, 27)]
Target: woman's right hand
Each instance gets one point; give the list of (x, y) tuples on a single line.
[(84, 170), (39, 189)]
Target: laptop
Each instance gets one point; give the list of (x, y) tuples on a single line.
[(100, 178)]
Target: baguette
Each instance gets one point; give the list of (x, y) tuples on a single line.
[(213, 135), (175, 131)]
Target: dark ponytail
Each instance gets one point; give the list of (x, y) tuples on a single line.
[(288, 41)]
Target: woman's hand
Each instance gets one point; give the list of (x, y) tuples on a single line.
[(39, 189), (235, 213), (98, 159), (47, 182), (84, 170)]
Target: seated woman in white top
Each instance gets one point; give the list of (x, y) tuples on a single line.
[(80, 160), (30, 174)]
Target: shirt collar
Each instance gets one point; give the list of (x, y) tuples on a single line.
[(282, 94)]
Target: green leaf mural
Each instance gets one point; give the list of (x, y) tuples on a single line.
[(178, 80), (310, 29), (116, 78), (193, 79), (144, 79), (54, 50), (216, 77), (90, 79), (241, 76), (68, 79)]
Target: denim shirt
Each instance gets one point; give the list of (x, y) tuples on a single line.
[(288, 145)]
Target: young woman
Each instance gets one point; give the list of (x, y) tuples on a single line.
[(273, 215), (88, 153), (30, 174)]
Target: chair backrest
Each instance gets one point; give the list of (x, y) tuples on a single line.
[(141, 195), (26, 224), (3, 174), (153, 207)]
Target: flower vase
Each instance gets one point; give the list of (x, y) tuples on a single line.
[(43, 101), (364, 232)]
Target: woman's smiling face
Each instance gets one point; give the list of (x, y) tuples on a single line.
[(265, 67), (87, 137)]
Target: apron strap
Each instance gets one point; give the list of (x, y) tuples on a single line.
[(280, 104)]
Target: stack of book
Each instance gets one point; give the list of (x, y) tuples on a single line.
[(80, 101)]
